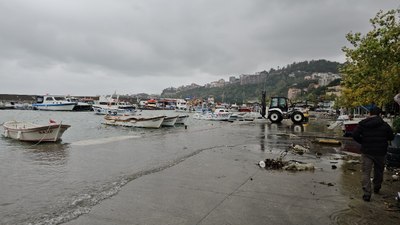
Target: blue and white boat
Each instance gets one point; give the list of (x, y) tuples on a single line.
[(53, 103)]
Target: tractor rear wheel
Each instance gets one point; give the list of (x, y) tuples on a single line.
[(275, 117), (297, 117)]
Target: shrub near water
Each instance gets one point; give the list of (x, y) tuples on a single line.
[(396, 125)]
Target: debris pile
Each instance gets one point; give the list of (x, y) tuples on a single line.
[(299, 166), (272, 164), (299, 149), (278, 164)]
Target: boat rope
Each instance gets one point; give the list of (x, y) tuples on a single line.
[(45, 134), (58, 131)]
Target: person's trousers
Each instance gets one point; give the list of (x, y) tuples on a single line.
[(378, 164)]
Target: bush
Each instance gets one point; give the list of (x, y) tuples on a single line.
[(396, 125)]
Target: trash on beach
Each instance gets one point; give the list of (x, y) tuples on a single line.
[(299, 166), (278, 164), (328, 184), (353, 161), (395, 177), (274, 164), (299, 149), (327, 141)]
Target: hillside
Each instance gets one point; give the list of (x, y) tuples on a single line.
[(274, 82)]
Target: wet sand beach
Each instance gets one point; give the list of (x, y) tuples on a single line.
[(213, 178)]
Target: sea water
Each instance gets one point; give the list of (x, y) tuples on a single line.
[(49, 183)]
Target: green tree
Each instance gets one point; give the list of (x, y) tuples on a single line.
[(371, 73)]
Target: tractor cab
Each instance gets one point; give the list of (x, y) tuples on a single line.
[(280, 103)]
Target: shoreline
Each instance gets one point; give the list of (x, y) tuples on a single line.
[(224, 185)]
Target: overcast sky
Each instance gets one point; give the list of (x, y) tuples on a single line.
[(93, 47)]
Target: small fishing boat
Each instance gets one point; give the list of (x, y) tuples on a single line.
[(169, 121), (134, 121), (26, 131), (182, 119)]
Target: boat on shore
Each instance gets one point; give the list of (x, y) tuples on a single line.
[(134, 121), (27, 131), (53, 103)]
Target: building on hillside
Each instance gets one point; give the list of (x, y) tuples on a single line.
[(307, 78), (234, 80), (293, 93), (325, 78), (335, 90), (211, 100), (219, 83), (250, 79), (187, 87)]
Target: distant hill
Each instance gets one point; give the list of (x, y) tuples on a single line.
[(275, 82)]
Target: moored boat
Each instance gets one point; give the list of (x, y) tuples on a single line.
[(134, 121), (107, 105), (53, 103), (181, 105), (218, 115), (26, 131), (169, 121), (182, 119)]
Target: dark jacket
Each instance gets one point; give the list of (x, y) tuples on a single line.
[(373, 134)]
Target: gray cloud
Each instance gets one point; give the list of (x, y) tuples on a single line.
[(92, 47)]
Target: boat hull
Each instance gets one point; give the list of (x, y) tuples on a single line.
[(55, 107), (182, 119), (133, 121), (114, 111), (35, 133), (169, 121)]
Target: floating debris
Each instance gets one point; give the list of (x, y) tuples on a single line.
[(274, 164), (299, 166), (327, 141), (299, 149), (278, 164), (353, 161), (328, 184)]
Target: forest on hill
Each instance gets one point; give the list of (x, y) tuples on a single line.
[(275, 82)]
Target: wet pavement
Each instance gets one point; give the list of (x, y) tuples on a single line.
[(219, 181)]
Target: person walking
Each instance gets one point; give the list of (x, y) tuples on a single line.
[(373, 134)]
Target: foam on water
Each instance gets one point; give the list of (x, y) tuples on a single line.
[(102, 140)]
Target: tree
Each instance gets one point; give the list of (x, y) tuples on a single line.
[(371, 73)]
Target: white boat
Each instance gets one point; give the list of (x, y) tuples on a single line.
[(53, 103), (182, 119), (26, 131), (181, 105), (134, 121), (219, 114), (80, 105), (107, 105), (114, 111), (169, 121)]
